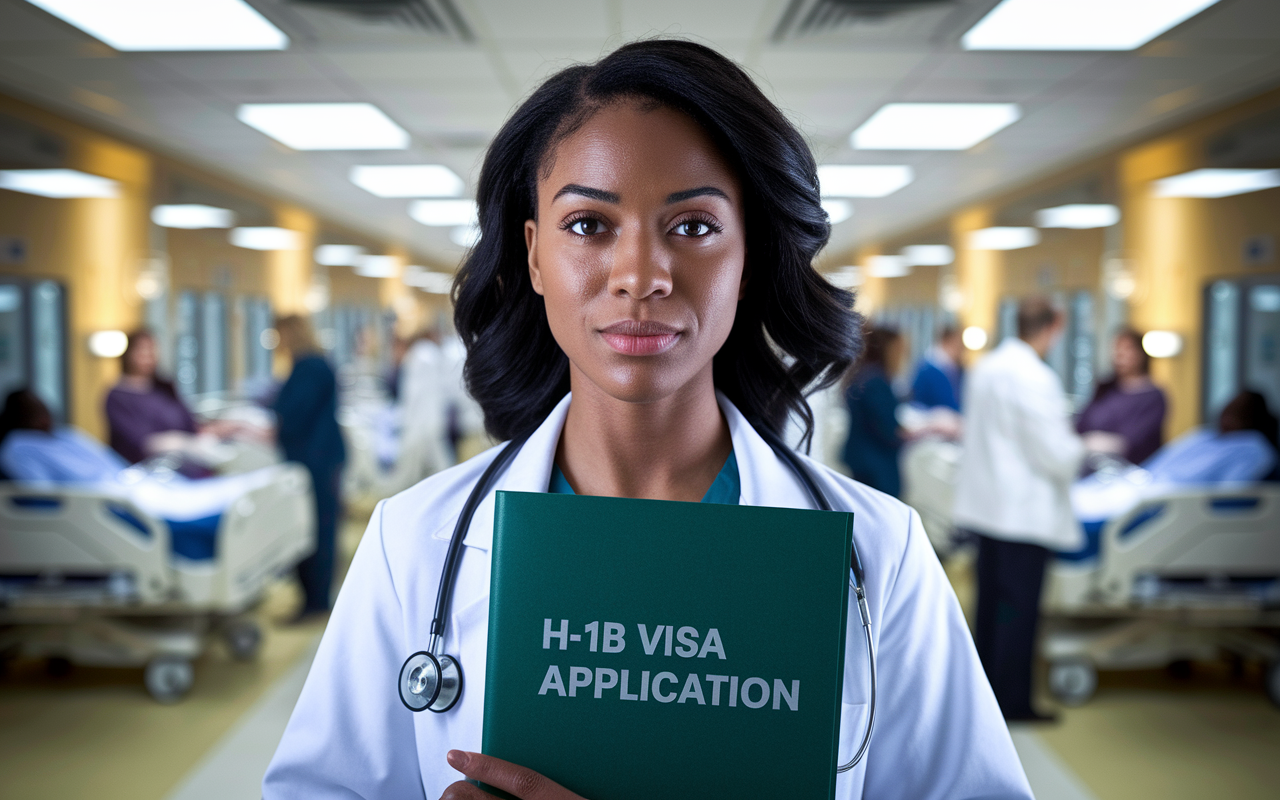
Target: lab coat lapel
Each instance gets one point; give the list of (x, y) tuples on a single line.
[(765, 480), (530, 471)]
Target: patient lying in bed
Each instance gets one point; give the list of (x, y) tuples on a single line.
[(33, 451), (1241, 450)]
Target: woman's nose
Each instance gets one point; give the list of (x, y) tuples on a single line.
[(641, 267)]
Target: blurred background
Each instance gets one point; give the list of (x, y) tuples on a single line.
[(214, 212)]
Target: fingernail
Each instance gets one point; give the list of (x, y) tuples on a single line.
[(458, 759)]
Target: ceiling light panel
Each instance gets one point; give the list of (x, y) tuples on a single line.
[(862, 180), (1078, 24), (192, 216), (155, 25), (338, 255), (1003, 238), (444, 213), (266, 238), (1217, 182), (378, 266), (837, 210), (928, 255), (888, 267), (933, 126), (410, 180), (325, 126), (1079, 216), (58, 183)]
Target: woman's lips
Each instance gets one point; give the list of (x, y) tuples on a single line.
[(635, 338)]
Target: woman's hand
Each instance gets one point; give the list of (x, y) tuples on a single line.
[(517, 780)]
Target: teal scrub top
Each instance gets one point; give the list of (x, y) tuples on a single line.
[(726, 489)]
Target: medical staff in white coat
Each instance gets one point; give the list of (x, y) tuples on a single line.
[(1020, 455), (642, 300)]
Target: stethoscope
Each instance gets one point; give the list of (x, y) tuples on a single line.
[(432, 680)]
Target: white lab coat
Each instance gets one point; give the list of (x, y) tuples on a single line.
[(939, 732), (1020, 452)]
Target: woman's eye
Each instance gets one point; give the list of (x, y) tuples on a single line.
[(693, 227), (586, 227)]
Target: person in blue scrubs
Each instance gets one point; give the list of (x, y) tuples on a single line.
[(939, 377), (307, 431), (875, 439)]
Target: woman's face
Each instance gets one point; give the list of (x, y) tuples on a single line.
[(142, 357), (1127, 358), (638, 250)]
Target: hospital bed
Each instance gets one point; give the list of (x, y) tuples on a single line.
[(87, 576), (1188, 573)]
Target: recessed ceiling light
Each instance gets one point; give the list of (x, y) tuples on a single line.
[(325, 126), (862, 180), (1078, 215), (933, 126), (410, 180), (378, 266), (169, 25), (888, 267), (837, 210), (846, 277), (426, 280), (1078, 24), (266, 238), (1003, 238), (59, 183), (338, 255), (928, 255), (1217, 182), (444, 213), (192, 217), (465, 235)]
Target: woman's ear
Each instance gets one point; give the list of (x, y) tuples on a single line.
[(531, 244), (742, 284)]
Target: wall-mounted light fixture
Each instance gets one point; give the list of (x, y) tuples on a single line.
[(1162, 344), (974, 338), (108, 344)]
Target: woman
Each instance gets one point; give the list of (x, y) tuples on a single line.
[(145, 417), (871, 451), (1126, 415), (641, 296), (308, 433)]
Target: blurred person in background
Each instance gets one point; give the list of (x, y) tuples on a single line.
[(145, 416), (1126, 415), (1019, 459), (871, 450), (939, 377), (307, 431)]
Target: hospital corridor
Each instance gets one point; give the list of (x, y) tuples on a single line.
[(430, 398)]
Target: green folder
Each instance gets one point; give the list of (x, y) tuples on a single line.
[(643, 648)]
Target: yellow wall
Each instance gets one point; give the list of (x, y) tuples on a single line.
[(98, 248), (1175, 247)]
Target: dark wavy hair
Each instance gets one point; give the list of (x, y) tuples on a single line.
[(794, 332)]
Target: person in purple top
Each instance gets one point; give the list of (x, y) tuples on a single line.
[(143, 409), (1126, 415)]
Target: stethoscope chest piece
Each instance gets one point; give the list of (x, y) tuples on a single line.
[(430, 682)]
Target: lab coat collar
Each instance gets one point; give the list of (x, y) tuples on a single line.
[(764, 480)]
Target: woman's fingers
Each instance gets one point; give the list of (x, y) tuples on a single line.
[(519, 781), (461, 790)]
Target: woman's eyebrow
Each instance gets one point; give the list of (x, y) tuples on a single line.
[(701, 191), (587, 191)]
